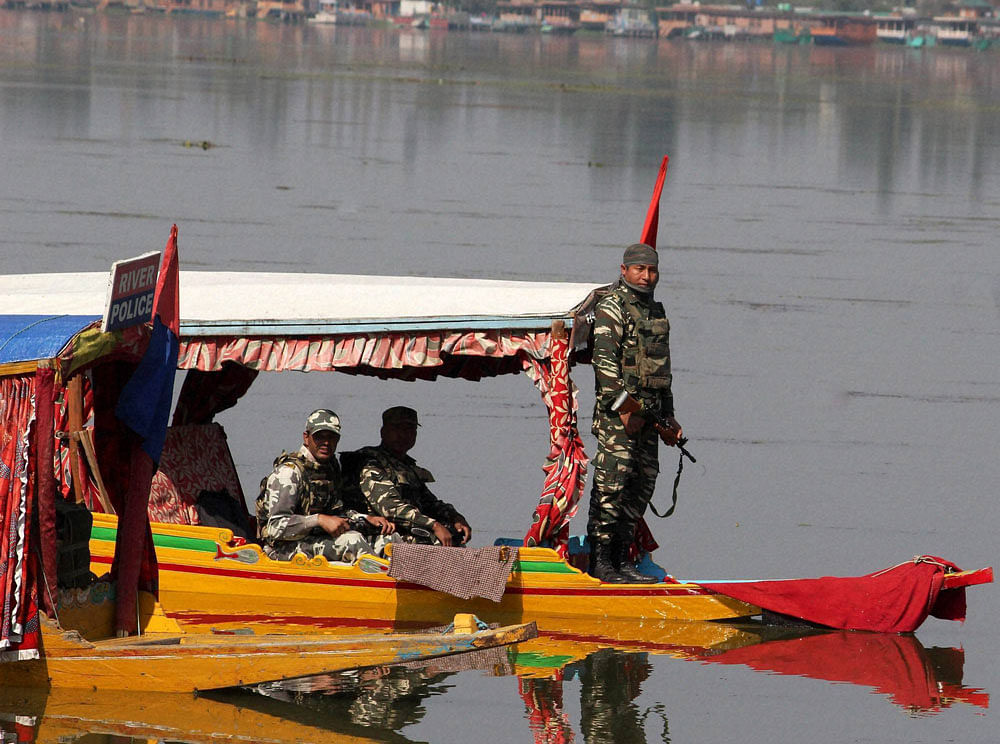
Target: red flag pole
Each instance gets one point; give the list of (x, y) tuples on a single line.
[(653, 213)]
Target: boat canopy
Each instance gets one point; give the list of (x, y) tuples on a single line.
[(388, 326), (256, 303)]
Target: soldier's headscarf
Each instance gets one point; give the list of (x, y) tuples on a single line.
[(639, 254)]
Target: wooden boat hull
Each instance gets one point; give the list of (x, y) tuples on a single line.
[(189, 662), (205, 583)]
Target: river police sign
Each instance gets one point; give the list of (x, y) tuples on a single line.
[(130, 292)]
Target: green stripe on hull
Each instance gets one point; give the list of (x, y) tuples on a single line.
[(161, 541), (543, 567)]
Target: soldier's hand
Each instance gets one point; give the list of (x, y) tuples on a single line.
[(670, 434), (442, 533), (385, 526), (333, 526), (633, 423), (464, 529)]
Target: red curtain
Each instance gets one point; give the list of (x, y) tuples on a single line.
[(127, 483), (566, 466), (18, 569)]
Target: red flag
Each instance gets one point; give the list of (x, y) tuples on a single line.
[(653, 213)]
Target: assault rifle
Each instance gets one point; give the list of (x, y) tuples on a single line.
[(625, 403), (363, 526)]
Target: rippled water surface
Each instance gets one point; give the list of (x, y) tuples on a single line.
[(830, 267)]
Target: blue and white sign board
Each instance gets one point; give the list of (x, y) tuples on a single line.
[(130, 292)]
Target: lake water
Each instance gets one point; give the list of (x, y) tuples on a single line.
[(830, 266)]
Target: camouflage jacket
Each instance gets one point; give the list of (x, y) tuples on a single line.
[(396, 488), (293, 496), (631, 351)]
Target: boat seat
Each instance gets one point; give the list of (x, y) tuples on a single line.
[(196, 470)]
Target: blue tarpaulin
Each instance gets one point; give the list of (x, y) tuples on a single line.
[(24, 338)]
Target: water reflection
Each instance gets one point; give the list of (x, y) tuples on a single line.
[(63, 716), (608, 676), (884, 120)]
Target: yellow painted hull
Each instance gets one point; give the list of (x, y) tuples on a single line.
[(189, 662), (206, 583)]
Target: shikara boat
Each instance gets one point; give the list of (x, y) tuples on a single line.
[(59, 629), (234, 326)]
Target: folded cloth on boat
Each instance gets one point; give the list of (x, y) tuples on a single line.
[(461, 572), (895, 600)]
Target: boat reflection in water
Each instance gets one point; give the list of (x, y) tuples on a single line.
[(921, 680), (610, 673), (609, 670), (60, 715)]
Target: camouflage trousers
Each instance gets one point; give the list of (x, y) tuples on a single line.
[(625, 470), (344, 548)]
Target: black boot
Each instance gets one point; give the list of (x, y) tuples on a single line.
[(601, 565), (627, 569)]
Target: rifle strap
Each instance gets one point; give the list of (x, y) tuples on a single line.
[(673, 503)]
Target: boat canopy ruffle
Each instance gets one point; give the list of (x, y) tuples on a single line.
[(425, 355)]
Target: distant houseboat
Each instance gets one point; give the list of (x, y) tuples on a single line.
[(560, 17), (955, 31), (895, 29), (844, 30), (725, 22), (517, 16)]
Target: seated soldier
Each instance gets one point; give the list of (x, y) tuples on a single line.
[(300, 507), (395, 487)]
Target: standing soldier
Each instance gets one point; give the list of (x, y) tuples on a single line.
[(395, 487), (300, 508), (631, 354)]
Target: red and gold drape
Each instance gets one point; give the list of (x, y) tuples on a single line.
[(18, 587), (566, 466)]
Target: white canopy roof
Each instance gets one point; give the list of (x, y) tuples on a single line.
[(216, 302)]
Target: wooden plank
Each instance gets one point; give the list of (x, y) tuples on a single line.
[(74, 402), (87, 441)]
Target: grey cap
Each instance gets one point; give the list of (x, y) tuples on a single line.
[(323, 419), (399, 415), (642, 254)]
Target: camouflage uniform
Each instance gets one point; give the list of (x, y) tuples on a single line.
[(292, 498), (396, 488), (631, 352)]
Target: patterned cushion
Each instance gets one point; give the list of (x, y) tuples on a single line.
[(195, 458)]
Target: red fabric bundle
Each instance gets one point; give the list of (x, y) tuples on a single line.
[(894, 600)]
